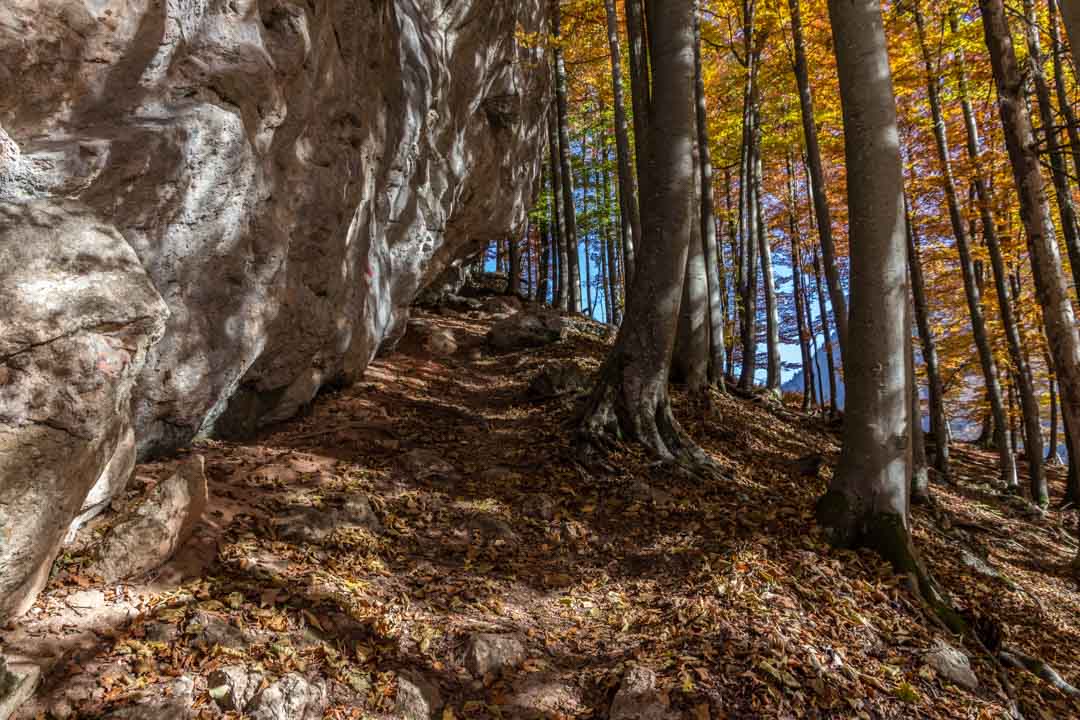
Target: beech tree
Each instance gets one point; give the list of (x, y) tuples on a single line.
[(868, 498), (1051, 288), (631, 398)]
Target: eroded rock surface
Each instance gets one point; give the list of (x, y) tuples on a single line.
[(78, 314), (285, 175)]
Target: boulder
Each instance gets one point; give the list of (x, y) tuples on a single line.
[(316, 525), (163, 701), (114, 478), (421, 464), (493, 654), (292, 697), (79, 315), (157, 527), (639, 699), (434, 339), (953, 665), (558, 379), (417, 698), (234, 686), (525, 330), (502, 305), (542, 695), (17, 685)]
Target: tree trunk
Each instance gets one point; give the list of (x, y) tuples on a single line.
[(733, 316), (628, 203), (1058, 174), (1051, 290), (611, 273), (1051, 450), (569, 220), (586, 220), (690, 363), (640, 91), (772, 313), (796, 283), (920, 476), (1028, 401), (1070, 11), (748, 206), (715, 309), (1007, 465), (631, 399), (867, 501), (562, 287), (513, 284), (938, 422), (827, 334), (817, 177), (1072, 129)]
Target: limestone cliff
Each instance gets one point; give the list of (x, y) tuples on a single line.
[(288, 174)]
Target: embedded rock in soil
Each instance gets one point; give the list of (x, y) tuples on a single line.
[(557, 379), (421, 464), (417, 698), (234, 686), (158, 526), (164, 701), (543, 695), (292, 697), (17, 685), (493, 654), (638, 698), (315, 525), (525, 330), (79, 317), (953, 665)]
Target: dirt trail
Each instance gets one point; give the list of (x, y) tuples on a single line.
[(485, 524)]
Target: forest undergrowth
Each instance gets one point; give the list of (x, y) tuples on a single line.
[(726, 588)]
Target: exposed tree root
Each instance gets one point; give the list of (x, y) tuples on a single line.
[(1038, 668)]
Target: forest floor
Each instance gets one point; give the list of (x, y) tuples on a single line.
[(725, 589)]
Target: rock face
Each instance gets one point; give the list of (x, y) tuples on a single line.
[(156, 529), (77, 317), (285, 175)]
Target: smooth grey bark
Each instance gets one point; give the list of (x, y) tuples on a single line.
[(569, 219), (544, 267), (640, 91), (585, 221), (1021, 368), (708, 233), (513, 285), (1062, 192), (748, 203), (817, 177), (826, 332), (772, 312), (628, 200), (1051, 448), (868, 498), (1006, 461), (732, 316), (690, 363), (1070, 11), (920, 476), (631, 398), (1051, 289), (1072, 129), (557, 210), (797, 291), (938, 422), (611, 271)]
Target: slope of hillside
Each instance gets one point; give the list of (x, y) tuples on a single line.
[(369, 551)]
